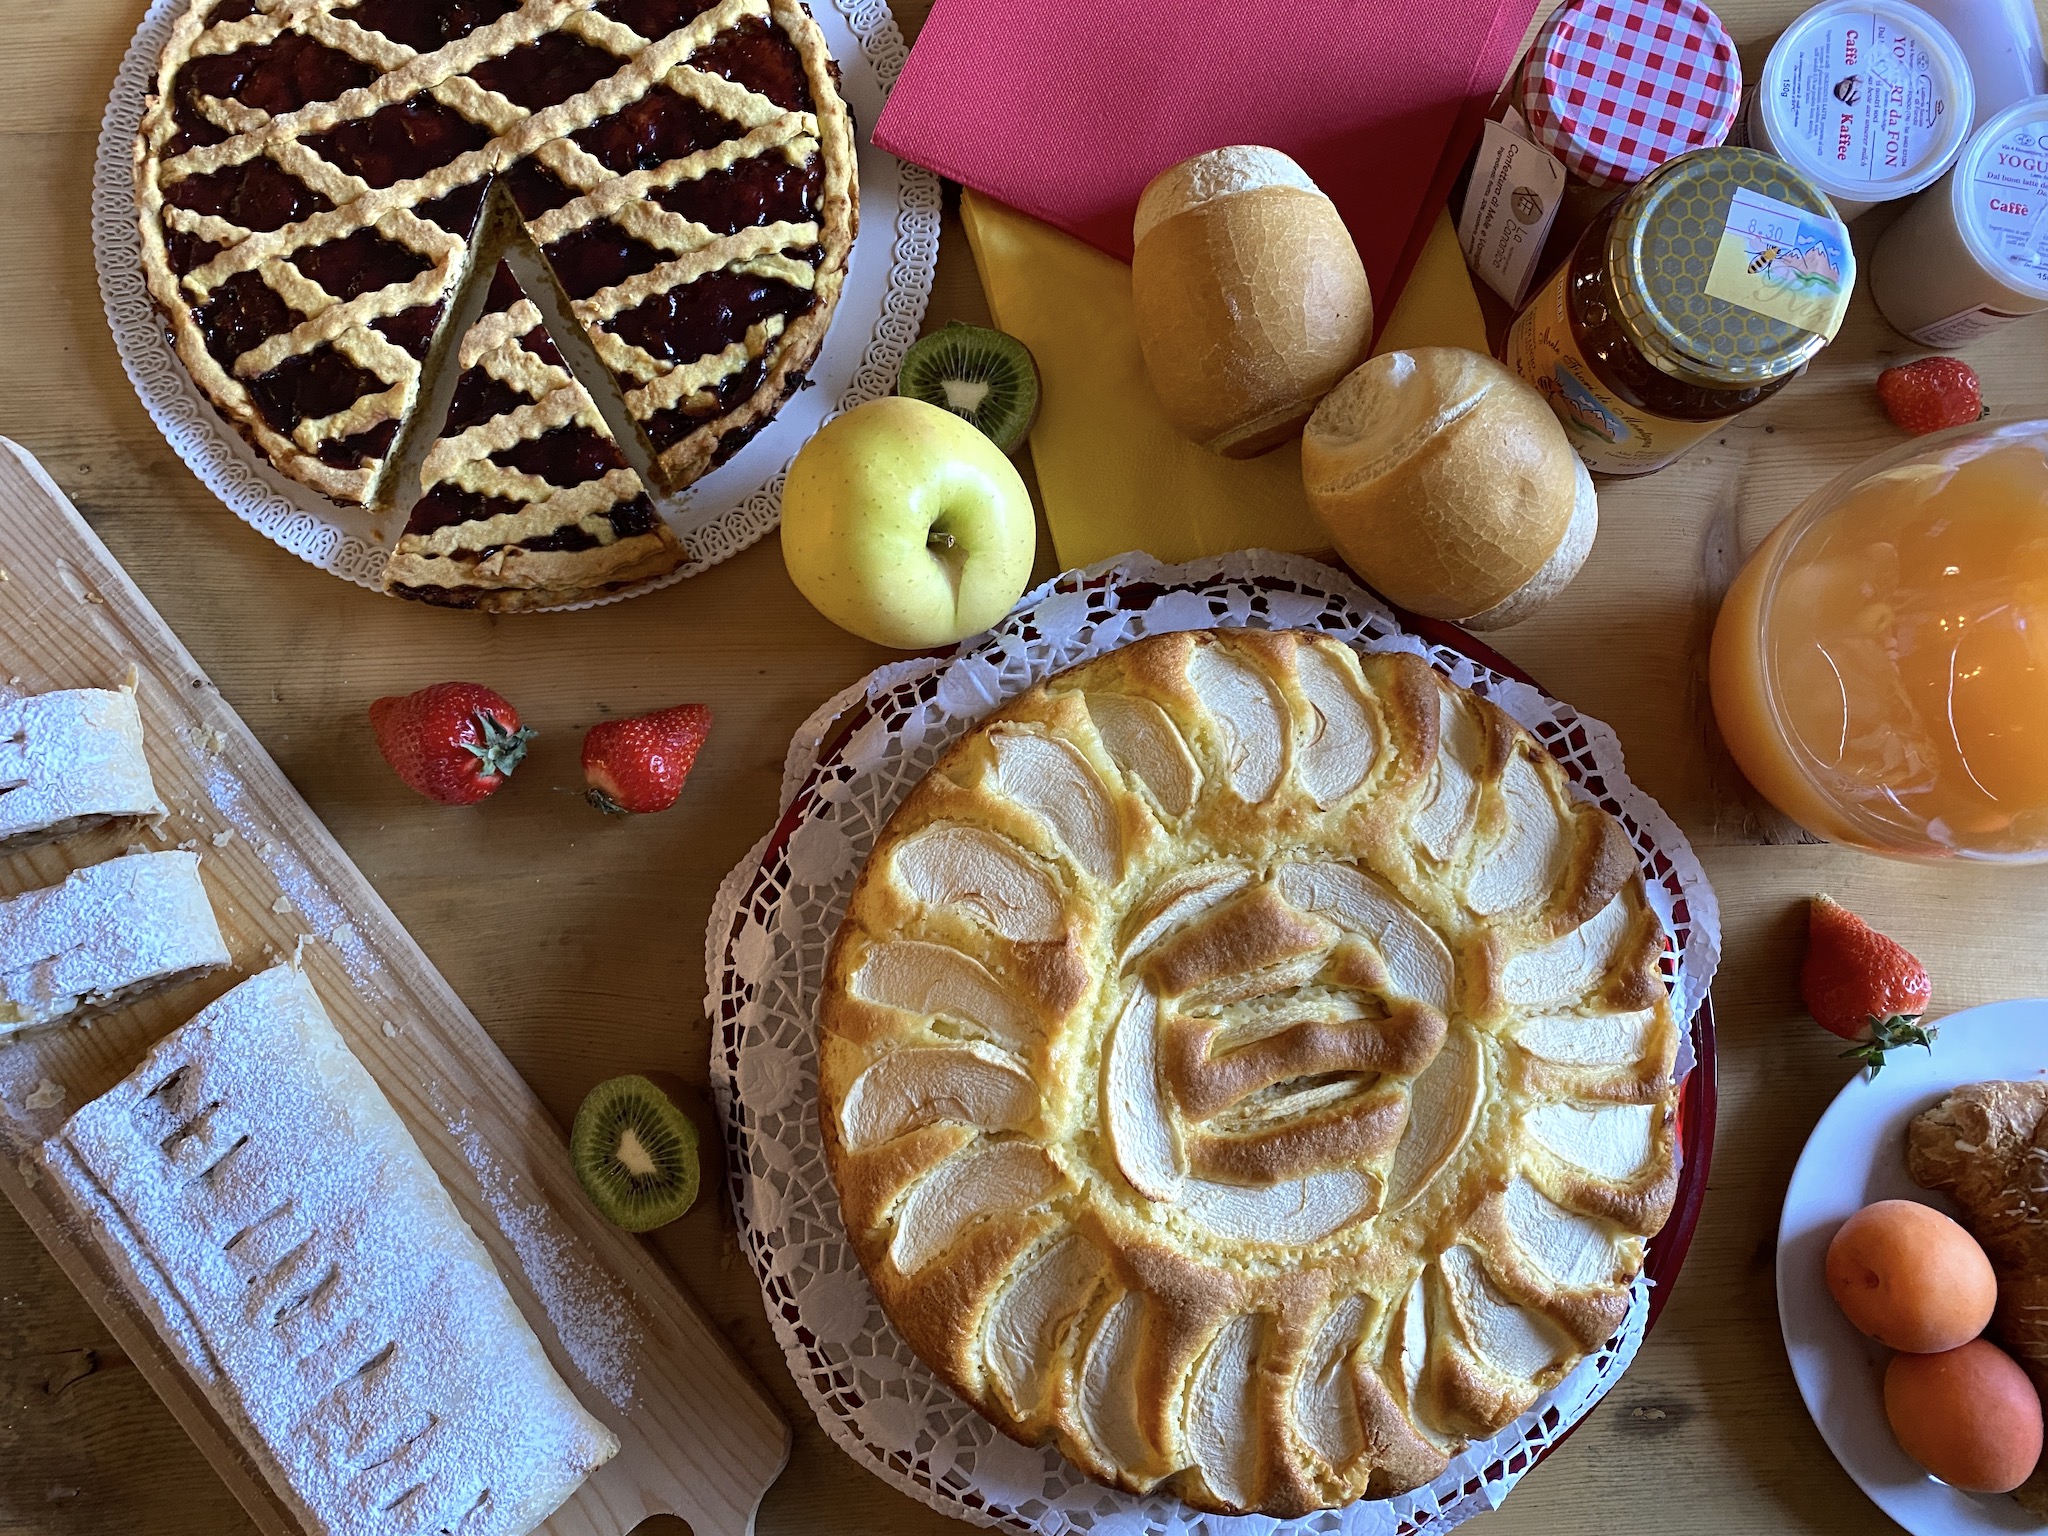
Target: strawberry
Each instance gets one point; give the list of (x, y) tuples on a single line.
[(453, 742), (1931, 394), (639, 765), (1861, 985)]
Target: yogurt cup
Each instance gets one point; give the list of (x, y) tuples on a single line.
[(1870, 100), (1972, 255)]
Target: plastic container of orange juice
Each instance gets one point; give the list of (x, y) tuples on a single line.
[(1880, 666)]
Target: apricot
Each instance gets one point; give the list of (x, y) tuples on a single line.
[(1968, 1415), (1911, 1278)]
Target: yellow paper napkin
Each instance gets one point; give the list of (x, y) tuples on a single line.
[(1113, 474)]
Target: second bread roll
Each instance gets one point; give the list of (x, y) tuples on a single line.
[(1250, 298), (1447, 483)]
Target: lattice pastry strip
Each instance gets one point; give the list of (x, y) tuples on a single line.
[(307, 174), (1245, 1064)]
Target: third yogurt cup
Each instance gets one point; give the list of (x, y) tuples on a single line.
[(1972, 255), (1868, 99)]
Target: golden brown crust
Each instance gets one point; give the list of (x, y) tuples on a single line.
[(511, 579), (1211, 921)]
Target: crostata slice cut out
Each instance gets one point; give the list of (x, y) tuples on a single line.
[(525, 497)]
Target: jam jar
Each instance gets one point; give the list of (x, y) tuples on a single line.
[(1609, 91), (1704, 291)]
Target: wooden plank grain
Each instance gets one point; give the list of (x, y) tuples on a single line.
[(577, 940)]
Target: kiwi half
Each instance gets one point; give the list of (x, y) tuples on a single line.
[(980, 375), (636, 1154)]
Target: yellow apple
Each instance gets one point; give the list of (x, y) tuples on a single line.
[(903, 524)]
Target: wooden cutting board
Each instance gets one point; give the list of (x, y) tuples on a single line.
[(699, 1438)]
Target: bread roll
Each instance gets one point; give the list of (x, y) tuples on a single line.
[(1447, 483), (1251, 300)]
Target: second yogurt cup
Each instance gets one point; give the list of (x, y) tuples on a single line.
[(1870, 100)]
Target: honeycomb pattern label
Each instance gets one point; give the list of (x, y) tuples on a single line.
[(1777, 260)]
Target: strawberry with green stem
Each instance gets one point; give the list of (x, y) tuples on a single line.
[(453, 742), (1860, 985)]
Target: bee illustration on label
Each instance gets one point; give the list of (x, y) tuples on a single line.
[(1848, 89), (1807, 264)]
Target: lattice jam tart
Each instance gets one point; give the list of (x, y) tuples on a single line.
[(309, 174), (1245, 1064)]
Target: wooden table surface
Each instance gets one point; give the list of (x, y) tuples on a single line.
[(579, 940)]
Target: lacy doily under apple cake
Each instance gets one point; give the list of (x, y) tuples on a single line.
[(1245, 1064)]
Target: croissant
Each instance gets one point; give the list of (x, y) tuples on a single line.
[(1986, 1147), (1244, 1064)]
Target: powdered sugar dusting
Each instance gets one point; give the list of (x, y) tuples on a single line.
[(588, 1307), (266, 1201), (71, 757), (106, 934), (302, 890)]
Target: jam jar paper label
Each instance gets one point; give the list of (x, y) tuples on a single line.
[(1782, 261), (1509, 207)]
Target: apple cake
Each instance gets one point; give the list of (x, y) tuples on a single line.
[(309, 175), (1244, 1063)]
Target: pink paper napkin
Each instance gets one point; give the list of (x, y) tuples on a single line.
[(1066, 108)]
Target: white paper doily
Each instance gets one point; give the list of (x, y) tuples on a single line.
[(775, 917), (888, 280)]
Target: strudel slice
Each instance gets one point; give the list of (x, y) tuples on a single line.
[(109, 934), (69, 761), (298, 1253)]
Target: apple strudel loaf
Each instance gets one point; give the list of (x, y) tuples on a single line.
[(105, 936), (258, 1191), (70, 761), (1244, 1063)]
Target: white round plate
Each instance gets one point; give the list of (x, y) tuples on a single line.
[(888, 281), (1857, 1154)]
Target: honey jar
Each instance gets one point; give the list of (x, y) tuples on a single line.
[(1704, 291)]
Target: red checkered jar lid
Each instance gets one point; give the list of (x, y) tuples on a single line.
[(1614, 88)]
